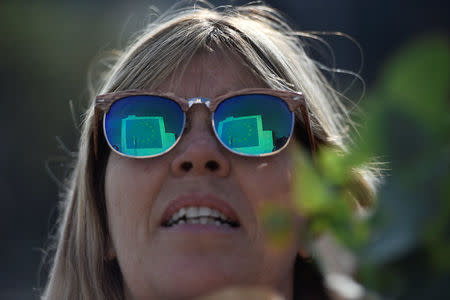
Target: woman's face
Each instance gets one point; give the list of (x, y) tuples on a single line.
[(186, 260)]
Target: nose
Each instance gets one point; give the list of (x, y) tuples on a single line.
[(199, 151)]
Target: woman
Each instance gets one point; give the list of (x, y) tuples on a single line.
[(164, 205)]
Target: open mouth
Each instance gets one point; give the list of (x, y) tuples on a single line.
[(202, 215)]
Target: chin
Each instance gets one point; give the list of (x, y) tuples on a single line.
[(188, 284)]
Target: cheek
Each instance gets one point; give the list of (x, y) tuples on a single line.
[(268, 185), (130, 187), (267, 181)]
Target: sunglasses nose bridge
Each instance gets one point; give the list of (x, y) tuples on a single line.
[(198, 100)]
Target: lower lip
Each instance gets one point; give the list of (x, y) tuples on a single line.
[(201, 228)]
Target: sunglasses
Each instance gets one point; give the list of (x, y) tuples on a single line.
[(250, 122)]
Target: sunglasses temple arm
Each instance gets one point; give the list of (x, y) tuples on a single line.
[(312, 140), (96, 129)]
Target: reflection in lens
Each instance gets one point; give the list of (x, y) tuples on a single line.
[(253, 124), (143, 125)]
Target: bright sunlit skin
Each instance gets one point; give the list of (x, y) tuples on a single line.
[(188, 260)]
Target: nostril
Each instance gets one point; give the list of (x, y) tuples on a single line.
[(186, 166), (212, 165)]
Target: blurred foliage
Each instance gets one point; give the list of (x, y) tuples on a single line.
[(278, 222), (403, 245), (407, 256)]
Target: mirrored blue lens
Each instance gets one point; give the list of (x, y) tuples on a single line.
[(254, 124), (142, 126)]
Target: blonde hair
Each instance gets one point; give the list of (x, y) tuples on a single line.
[(259, 37)]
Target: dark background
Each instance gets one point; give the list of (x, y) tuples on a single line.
[(47, 48)]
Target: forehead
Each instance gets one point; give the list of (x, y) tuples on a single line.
[(210, 75)]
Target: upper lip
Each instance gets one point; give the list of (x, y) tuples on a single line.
[(197, 199)]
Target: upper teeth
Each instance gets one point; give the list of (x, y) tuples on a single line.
[(197, 212)]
